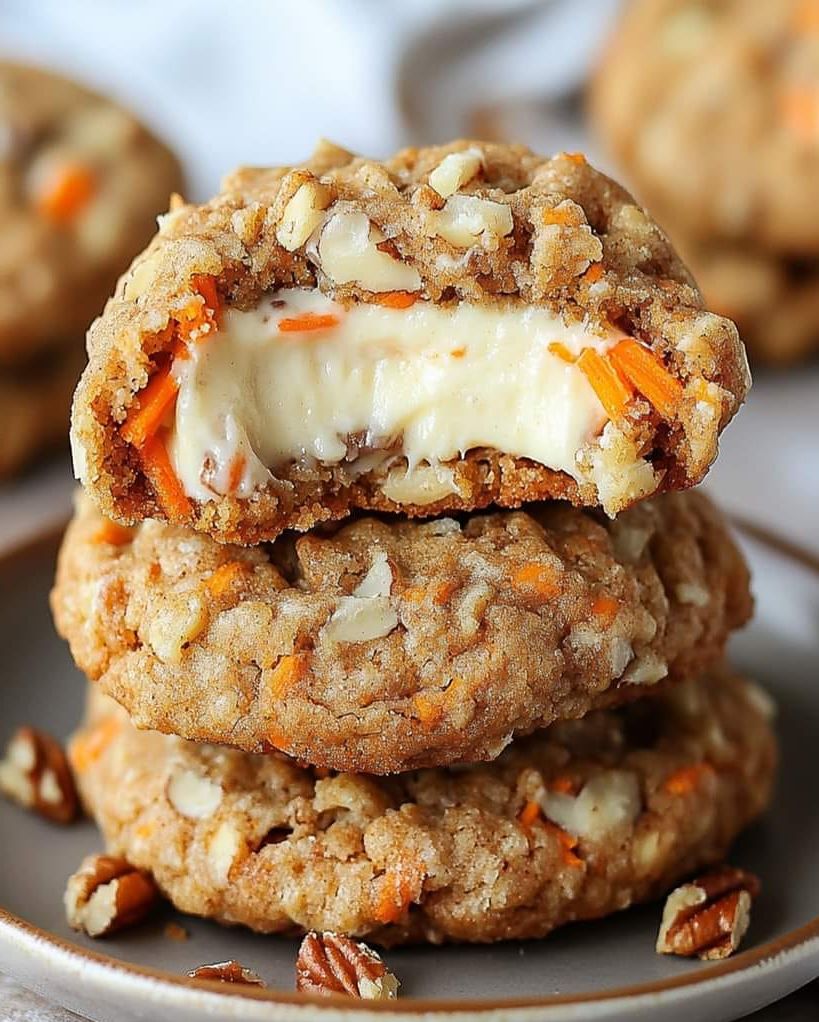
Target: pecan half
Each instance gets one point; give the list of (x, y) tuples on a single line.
[(332, 964), (709, 916), (106, 894), (227, 972), (35, 773)]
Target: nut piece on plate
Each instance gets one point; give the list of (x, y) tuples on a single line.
[(227, 972), (106, 894), (709, 916), (35, 773), (332, 964)]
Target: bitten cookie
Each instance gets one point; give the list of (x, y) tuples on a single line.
[(712, 111), (81, 183), (576, 822), (456, 326), (387, 645)]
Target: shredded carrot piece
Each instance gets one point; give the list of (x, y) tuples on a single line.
[(605, 608), (66, 192), (562, 784), (157, 467), (144, 830), (806, 17), (568, 842), (226, 574), (306, 322), (149, 408), (593, 274), (442, 592), (396, 299), (613, 394), (644, 370), (87, 748), (400, 886), (237, 467), (577, 158), (111, 532), (205, 284), (415, 594), (559, 349), (288, 672), (541, 578), (800, 112), (686, 779), (458, 352), (529, 814), (561, 216), (429, 707)]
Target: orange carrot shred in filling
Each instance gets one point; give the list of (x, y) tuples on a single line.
[(559, 349), (528, 815), (396, 299), (644, 370), (686, 779), (287, 672), (237, 467), (308, 321), (562, 784), (206, 286), (428, 707), (149, 408), (111, 532), (66, 192), (605, 608), (577, 158), (613, 394), (539, 577), (158, 468)]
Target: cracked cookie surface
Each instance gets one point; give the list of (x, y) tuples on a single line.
[(389, 644), (575, 822)]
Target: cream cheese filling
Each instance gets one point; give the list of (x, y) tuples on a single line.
[(426, 383)]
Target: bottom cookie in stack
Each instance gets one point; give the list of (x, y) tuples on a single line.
[(574, 822)]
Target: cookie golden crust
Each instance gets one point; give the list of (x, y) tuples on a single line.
[(711, 110), (81, 182), (35, 405), (389, 645), (576, 822), (348, 259)]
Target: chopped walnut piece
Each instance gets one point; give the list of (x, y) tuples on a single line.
[(227, 972), (709, 916), (329, 963), (35, 773), (106, 894)]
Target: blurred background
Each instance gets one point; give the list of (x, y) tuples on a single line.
[(257, 82)]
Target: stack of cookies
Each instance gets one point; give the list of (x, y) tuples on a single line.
[(712, 110), (81, 182), (400, 622)]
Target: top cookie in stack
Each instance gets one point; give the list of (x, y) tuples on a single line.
[(712, 110), (453, 327)]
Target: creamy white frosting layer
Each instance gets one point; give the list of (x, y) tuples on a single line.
[(428, 383)]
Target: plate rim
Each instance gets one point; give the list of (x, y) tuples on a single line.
[(804, 938)]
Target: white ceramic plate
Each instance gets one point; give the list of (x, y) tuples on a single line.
[(593, 971)]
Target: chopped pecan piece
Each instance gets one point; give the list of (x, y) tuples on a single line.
[(332, 964)]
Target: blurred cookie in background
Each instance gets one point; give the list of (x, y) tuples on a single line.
[(711, 108), (81, 184)]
